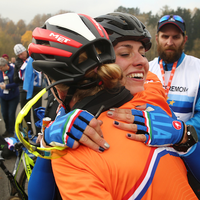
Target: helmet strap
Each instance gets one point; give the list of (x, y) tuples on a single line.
[(68, 98)]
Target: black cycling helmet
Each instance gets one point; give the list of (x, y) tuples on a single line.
[(123, 26), (55, 47)]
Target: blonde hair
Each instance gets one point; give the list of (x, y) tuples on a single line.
[(109, 74)]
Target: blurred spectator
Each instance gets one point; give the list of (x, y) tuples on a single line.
[(9, 96), (5, 56), (19, 73), (12, 61)]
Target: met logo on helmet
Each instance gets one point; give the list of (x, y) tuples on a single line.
[(47, 35), (60, 38)]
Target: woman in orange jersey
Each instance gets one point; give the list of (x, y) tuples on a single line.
[(129, 169), (120, 26)]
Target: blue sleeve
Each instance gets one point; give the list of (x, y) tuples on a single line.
[(42, 183), (55, 131), (192, 160), (12, 85), (194, 121)]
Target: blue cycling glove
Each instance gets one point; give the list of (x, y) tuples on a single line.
[(68, 128), (159, 128)]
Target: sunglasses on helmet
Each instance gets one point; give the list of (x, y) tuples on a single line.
[(175, 17)]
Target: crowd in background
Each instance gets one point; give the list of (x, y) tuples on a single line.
[(15, 90)]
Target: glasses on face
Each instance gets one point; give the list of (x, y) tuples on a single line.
[(175, 17)]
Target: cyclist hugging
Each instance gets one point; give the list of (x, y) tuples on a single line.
[(108, 67)]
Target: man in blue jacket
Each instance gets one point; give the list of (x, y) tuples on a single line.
[(9, 96)]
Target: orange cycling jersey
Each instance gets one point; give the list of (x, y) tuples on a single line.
[(128, 169)]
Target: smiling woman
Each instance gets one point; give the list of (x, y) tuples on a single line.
[(130, 56)]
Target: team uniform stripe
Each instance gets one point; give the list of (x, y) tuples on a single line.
[(69, 123), (148, 125), (138, 183), (36, 48), (104, 31), (146, 178), (181, 110), (97, 25)]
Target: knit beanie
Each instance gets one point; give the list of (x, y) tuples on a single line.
[(18, 49)]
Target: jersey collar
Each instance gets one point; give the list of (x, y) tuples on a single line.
[(169, 65)]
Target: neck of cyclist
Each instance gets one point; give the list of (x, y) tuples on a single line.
[(62, 95)]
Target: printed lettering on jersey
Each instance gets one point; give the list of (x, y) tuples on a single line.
[(177, 88), (160, 121)]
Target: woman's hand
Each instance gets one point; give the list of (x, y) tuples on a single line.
[(152, 126), (125, 115), (75, 128), (92, 137), (3, 86)]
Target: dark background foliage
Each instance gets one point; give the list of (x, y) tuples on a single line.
[(11, 33)]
